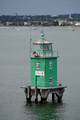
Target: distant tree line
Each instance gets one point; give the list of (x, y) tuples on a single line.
[(38, 20)]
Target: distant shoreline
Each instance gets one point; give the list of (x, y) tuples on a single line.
[(39, 26)]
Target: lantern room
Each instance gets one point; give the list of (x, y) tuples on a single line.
[(42, 47)]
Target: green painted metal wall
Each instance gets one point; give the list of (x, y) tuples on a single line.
[(51, 72), (44, 66)]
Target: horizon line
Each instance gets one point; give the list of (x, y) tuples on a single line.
[(39, 14)]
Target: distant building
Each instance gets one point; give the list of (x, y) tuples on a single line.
[(77, 24), (0, 23), (65, 22), (54, 16), (60, 22), (70, 17), (9, 23), (27, 23)]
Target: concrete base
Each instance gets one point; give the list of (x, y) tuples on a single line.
[(44, 92)]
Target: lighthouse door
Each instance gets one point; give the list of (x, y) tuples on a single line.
[(37, 80)]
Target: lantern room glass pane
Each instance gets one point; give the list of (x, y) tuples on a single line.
[(38, 47), (47, 47)]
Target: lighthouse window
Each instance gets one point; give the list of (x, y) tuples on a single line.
[(38, 47), (38, 64), (41, 47), (50, 79), (50, 64), (47, 47)]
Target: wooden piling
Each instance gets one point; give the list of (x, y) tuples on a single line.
[(36, 95), (43, 100), (53, 97), (59, 98), (28, 95)]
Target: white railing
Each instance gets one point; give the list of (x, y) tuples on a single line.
[(54, 54)]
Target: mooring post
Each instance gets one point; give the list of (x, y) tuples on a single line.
[(53, 97), (59, 98), (43, 99), (29, 94), (36, 95)]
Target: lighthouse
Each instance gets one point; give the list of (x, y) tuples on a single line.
[(43, 66)]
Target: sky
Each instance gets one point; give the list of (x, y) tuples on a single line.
[(39, 7)]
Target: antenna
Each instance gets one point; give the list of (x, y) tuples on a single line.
[(42, 25), (30, 42), (42, 32), (42, 29)]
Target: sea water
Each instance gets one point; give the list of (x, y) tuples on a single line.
[(15, 73)]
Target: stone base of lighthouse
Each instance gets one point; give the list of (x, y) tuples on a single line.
[(44, 92)]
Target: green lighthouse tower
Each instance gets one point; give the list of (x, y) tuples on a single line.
[(43, 64)]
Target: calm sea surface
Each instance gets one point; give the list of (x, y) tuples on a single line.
[(15, 72)]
